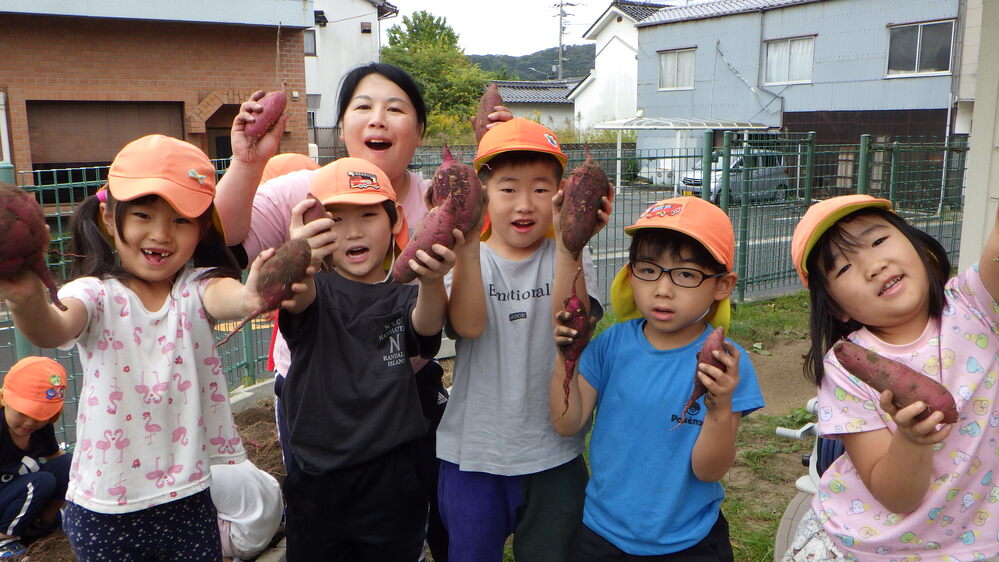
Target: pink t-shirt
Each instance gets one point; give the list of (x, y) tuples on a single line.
[(959, 517), (271, 219)]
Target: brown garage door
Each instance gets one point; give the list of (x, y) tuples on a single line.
[(88, 133)]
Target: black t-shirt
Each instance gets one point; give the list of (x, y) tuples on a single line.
[(350, 394), (15, 461)]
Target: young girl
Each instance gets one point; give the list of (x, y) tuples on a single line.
[(34, 471), (906, 489), (153, 414)]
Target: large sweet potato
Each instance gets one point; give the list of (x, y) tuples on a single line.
[(436, 227), (25, 238), (273, 104), (706, 355), (286, 267), (458, 180), (487, 104), (907, 386), (579, 321), (583, 190)]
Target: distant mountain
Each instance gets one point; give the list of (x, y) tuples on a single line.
[(578, 64)]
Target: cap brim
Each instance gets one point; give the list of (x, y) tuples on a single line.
[(41, 411), (193, 205), (355, 198), (624, 307), (831, 219), (485, 158), (715, 253)]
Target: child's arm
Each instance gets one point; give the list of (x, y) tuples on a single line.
[(34, 316), (235, 190), (228, 299), (582, 396), (714, 450), (881, 456), (431, 300), (988, 265), (466, 309)]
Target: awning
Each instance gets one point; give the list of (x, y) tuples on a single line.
[(679, 123)]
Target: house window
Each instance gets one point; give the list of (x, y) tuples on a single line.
[(676, 69), (789, 61), (922, 48), (310, 42)]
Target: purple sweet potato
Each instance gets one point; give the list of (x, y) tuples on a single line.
[(274, 104), (25, 238), (286, 267), (578, 321), (578, 217), (458, 180), (436, 227), (712, 343), (907, 386), (487, 104), (317, 211)]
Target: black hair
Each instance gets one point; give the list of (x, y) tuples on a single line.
[(519, 158), (394, 74), (825, 324), (94, 252), (653, 242)]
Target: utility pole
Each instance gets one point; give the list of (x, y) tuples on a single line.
[(562, 4)]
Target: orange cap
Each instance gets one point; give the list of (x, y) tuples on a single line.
[(517, 134), (358, 182), (818, 219), (175, 170), (281, 164), (36, 387)]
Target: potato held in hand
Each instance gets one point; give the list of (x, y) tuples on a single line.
[(706, 355), (487, 104), (579, 321), (22, 229), (583, 190), (458, 180), (274, 104), (906, 385), (436, 227)]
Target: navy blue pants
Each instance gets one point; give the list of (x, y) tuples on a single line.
[(591, 547), (182, 530), (22, 498)]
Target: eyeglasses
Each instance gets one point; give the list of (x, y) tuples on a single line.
[(681, 276)]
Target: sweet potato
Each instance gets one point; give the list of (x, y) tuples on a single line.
[(712, 343), (579, 321), (274, 104), (578, 217), (317, 211), (907, 386), (436, 227), (274, 280), (460, 181), (22, 229), (487, 104)]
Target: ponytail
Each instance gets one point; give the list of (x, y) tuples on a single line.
[(93, 252)]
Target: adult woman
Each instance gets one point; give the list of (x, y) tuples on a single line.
[(383, 118)]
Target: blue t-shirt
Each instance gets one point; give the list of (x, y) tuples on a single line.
[(642, 495)]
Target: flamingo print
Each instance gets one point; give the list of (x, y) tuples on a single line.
[(221, 442), (198, 474), (158, 388), (165, 345), (119, 490), (151, 428), (104, 445), (120, 443), (217, 397), (123, 303), (173, 469), (214, 363), (115, 397), (141, 388), (185, 322), (179, 434), (136, 335), (87, 446), (89, 492), (234, 441), (182, 385), (103, 343), (156, 474), (92, 400)]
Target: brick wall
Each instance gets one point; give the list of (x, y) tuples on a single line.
[(201, 66)]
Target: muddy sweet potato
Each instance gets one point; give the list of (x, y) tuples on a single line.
[(712, 343), (906, 385), (578, 217), (22, 229), (458, 180), (286, 267), (487, 104), (317, 211), (273, 104), (578, 320), (436, 227)]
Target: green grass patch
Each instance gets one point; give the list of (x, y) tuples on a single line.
[(771, 321)]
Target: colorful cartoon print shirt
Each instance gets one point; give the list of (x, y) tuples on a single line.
[(154, 408), (959, 517)]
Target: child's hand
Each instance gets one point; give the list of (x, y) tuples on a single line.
[(467, 247), (427, 268), (501, 114), (255, 301), (267, 145), (603, 213), (22, 287), (720, 384), (564, 335), (319, 233), (919, 432)]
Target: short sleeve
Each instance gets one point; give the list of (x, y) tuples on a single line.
[(968, 290), (90, 292), (845, 404), (593, 360)]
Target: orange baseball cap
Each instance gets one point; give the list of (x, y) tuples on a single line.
[(818, 218), (281, 164), (36, 387), (160, 165), (517, 134), (694, 217), (358, 182)]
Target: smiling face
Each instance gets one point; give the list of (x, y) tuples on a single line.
[(520, 206), (879, 280), (364, 237), (380, 125)]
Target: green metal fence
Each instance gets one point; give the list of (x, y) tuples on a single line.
[(763, 181)]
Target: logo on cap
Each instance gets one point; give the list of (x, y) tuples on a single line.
[(362, 180), (192, 173), (551, 140), (55, 380), (660, 210)]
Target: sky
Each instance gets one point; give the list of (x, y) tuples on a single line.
[(531, 25)]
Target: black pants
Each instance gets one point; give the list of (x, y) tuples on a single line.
[(715, 547), (375, 511), (433, 399)]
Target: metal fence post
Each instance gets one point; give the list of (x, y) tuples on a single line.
[(893, 172), (863, 170), (7, 172), (725, 161), (747, 164), (809, 167), (250, 378), (706, 166)]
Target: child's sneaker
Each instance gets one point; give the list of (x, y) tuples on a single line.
[(12, 550)]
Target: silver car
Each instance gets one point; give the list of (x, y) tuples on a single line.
[(768, 177)]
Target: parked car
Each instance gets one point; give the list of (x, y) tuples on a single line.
[(768, 177)]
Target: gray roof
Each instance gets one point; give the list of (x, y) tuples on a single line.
[(679, 123), (540, 91), (716, 9), (638, 10)]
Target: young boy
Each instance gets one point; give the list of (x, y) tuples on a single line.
[(503, 469), (654, 490), (354, 414)]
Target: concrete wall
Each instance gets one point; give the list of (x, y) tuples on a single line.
[(612, 93), (287, 13)]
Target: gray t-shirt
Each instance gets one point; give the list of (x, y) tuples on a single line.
[(496, 420)]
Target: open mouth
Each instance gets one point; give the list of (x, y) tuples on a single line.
[(156, 256), (890, 284), (357, 253), (522, 225), (378, 144)]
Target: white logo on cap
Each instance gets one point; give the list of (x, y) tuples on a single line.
[(551, 140), (195, 175)]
